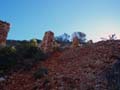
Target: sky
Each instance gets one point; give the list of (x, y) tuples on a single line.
[(32, 18)]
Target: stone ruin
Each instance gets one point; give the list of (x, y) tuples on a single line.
[(4, 29), (75, 42), (47, 44)]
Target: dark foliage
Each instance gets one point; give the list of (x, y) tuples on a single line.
[(40, 73), (28, 50), (64, 38), (18, 42), (81, 36), (23, 56), (7, 56), (28, 55)]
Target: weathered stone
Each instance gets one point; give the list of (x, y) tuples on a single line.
[(75, 42), (48, 42), (4, 29)]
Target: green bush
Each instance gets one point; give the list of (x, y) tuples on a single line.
[(7, 57), (28, 55), (28, 50), (34, 42), (22, 56)]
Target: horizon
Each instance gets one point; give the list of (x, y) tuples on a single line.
[(31, 19)]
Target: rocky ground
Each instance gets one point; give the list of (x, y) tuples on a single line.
[(90, 67)]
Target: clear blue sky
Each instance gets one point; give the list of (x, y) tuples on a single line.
[(31, 18)]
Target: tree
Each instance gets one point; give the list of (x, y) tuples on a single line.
[(80, 35), (63, 38), (112, 37)]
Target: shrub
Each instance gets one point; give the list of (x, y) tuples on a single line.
[(23, 55), (7, 57), (34, 42), (28, 55), (29, 50)]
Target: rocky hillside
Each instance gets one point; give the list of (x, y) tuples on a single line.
[(90, 67)]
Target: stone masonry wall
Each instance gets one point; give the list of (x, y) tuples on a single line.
[(4, 29)]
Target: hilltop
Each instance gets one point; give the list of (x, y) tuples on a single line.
[(90, 67)]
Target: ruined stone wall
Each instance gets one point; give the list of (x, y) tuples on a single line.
[(47, 42), (75, 42), (4, 29)]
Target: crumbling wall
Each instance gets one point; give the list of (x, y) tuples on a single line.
[(4, 29), (47, 42), (75, 42)]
